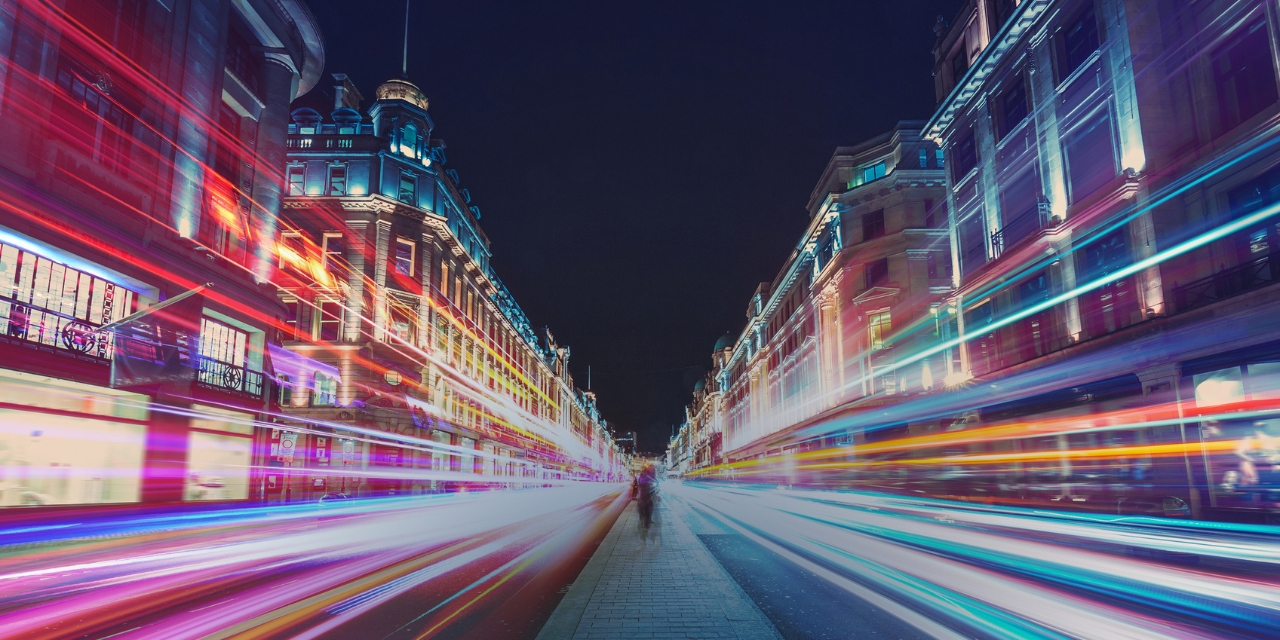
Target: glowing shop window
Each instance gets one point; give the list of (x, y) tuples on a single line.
[(65, 458), (1219, 387), (55, 305), (217, 466), (217, 419)]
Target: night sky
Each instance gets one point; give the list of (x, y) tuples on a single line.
[(642, 166)]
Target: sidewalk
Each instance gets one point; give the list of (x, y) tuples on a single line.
[(668, 586)]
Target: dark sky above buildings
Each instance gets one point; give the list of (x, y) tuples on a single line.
[(642, 166)]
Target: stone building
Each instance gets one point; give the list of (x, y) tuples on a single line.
[(1111, 189), (406, 344), (142, 155), (870, 270)]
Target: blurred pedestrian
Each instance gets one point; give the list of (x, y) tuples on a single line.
[(647, 485)]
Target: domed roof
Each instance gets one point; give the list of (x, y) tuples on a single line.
[(397, 89), (725, 342), (700, 384)]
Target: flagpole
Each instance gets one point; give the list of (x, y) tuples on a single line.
[(155, 307)]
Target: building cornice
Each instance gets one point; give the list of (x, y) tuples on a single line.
[(1024, 18)]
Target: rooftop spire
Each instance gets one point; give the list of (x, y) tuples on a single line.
[(404, 61)]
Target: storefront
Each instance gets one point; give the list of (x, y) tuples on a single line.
[(68, 442)]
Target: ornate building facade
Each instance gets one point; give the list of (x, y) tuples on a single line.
[(406, 345), (142, 155), (864, 284)]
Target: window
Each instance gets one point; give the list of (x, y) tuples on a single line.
[(292, 250), (877, 272), (878, 328), (1077, 41), (972, 235), (297, 179), (330, 320), (1019, 207), (984, 348), (1244, 75), (930, 214), (939, 266), (292, 312), (408, 189), (964, 157), (873, 172), (1091, 156), (444, 280), (938, 158), (872, 225), (404, 257), (959, 64), (333, 253), (403, 320), (222, 353), (924, 158), (50, 303), (109, 135), (1012, 109), (338, 180), (325, 391)]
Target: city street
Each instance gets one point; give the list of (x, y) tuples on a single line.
[(451, 566), (838, 564), (574, 320)]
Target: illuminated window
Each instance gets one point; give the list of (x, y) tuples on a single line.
[(222, 354), (939, 158), (50, 303), (297, 179), (404, 257), (338, 180), (408, 189), (325, 391), (878, 327), (924, 157), (873, 172)]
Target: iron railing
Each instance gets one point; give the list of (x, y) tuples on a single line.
[(1018, 229), (32, 323), (227, 376), (1224, 284)]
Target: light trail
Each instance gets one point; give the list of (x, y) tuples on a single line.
[(297, 570), (1005, 572)]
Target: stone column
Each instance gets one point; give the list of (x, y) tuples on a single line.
[(381, 242), (426, 317), (201, 74), (278, 81), (356, 243)]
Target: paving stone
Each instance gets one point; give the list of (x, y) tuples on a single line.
[(663, 584)]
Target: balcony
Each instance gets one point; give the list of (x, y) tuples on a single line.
[(224, 376), (32, 323), (1224, 284), (1019, 229)]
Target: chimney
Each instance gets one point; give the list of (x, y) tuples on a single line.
[(345, 93)]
